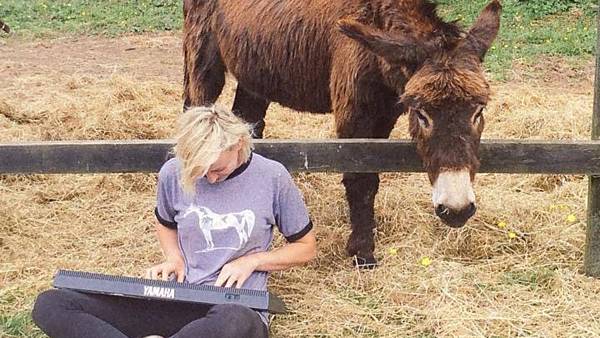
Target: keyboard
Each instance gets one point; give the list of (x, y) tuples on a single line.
[(89, 282)]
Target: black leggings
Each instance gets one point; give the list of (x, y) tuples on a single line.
[(66, 314)]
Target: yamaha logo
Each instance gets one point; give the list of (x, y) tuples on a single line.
[(159, 292)]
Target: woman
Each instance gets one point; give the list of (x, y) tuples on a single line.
[(217, 204)]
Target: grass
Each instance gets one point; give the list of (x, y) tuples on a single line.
[(42, 18), (529, 28), (18, 325), (542, 277)]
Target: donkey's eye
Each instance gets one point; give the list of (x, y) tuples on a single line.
[(423, 121), (478, 115)]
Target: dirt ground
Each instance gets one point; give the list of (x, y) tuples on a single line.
[(514, 270)]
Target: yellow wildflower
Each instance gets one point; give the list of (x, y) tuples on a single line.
[(425, 261)]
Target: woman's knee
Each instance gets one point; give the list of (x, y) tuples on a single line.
[(243, 321), (43, 307), (233, 311), (48, 304)]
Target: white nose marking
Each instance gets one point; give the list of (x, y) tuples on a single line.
[(453, 189)]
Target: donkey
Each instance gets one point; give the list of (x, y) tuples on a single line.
[(368, 61)]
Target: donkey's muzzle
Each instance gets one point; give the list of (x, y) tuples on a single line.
[(455, 218)]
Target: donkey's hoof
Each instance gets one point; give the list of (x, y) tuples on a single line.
[(367, 263)]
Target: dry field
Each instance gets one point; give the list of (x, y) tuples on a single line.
[(514, 270)]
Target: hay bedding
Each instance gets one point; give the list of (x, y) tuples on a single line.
[(519, 279)]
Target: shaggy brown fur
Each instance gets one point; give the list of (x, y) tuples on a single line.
[(368, 61)]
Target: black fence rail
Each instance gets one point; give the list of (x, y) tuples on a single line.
[(332, 155)]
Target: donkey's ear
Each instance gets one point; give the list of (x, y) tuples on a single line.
[(484, 31), (393, 49)]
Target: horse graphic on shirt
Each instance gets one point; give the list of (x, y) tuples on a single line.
[(209, 221)]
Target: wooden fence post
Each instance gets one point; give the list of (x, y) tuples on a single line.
[(592, 245)]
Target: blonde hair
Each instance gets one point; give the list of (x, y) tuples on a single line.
[(203, 133)]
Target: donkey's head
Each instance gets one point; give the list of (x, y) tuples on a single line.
[(445, 93)]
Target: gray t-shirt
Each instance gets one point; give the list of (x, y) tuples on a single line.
[(232, 218)]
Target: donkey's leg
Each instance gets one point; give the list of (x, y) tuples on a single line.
[(204, 70), (374, 121), (251, 108), (360, 193)]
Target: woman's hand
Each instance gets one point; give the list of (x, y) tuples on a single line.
[(163, 270), (236, 272), (292, 254)]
